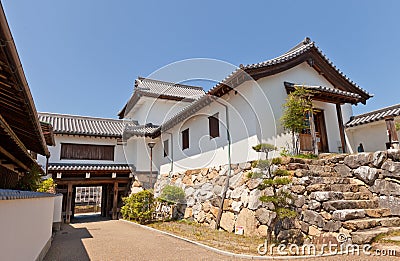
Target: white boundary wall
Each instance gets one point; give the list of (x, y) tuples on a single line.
[(25, 228)]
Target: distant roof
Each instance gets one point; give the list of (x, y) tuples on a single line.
[(161, 90), (88, 167), (82, 125), (140, 130), (373, 116)]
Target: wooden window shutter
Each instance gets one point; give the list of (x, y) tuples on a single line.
[(213, 125), (185, 139), (87, 152)]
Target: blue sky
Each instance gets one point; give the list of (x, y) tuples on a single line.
[(82, 57)]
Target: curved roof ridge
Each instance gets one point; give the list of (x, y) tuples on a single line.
[(169, 83)]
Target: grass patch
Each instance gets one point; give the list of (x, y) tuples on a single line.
[(384, 238), (204, 234)]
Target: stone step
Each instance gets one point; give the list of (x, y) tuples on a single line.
[(348, 214), (378, 212), (366, 236), (332, 187), (349, 204), (331, 180), (366, 223)]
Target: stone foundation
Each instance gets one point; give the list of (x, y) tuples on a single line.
[(357, 195)]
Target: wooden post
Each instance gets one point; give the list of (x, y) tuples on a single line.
[(69, 204), (341, 127), (391, 132), (115, 201), (314, 144)]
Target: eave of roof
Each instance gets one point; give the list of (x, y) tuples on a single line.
[(326, 94), (54, 167), (373, 116), (36, 141)]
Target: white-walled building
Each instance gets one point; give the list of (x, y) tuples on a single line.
[(370, 129), (191, 134)]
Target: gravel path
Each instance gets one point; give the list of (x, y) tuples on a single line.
[(99, 239)]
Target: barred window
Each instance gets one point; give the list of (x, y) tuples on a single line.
[(87, 151)]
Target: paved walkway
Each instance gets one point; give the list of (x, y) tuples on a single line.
[(100, 239)]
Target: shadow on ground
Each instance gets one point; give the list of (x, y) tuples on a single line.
[(67, 243)]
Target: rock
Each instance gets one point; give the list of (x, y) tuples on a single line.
[(313, 218), (265, 216), (227, 221), (206, 206), (317, 187), (394, 154), (342, 170), (262, 231), (254, 199), (236, 205), (304, 227), (188, 213), (237, 192), (347, 214), (235, 180), (299, 201), (294, 166), (190, 201), (245, 166), (187, 180), (220, 181), (211, 175), (212, 224), (386, 187), (313, 231), (326, 195), (298, 189), (326, 215), (357, 160), (315, 169), (366, 174), (366, 236), (244, 198), (214, 211), (313, 204), (200, 217), (248, 221), (390, 202), (378, 212), (223, 171), (217, 190), (227, 204), (206, 187), (349, 204), (253, 183), (378, 158), (291, 236), (332, 226), (189, 191)]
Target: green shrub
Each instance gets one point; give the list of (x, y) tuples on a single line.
[(254, 175), (281, 172), (47, 185), (139, 207), (276, 161), (30, 180), (172, 194), (264, 147)]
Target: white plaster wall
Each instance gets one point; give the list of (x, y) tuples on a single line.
[(373, 136), (274, 89), (153, 110), (57, 208), (119, 156), (25, 226)]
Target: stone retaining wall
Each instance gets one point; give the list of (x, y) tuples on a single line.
[(358, 195)]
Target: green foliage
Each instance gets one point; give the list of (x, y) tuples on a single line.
[(254, 175), (285, 213), (262, 164), (276, 161), (30, 181), (306, 156), (264, 147), (47, 185), (281, 172), (139, 207), (172, 194), (281, 201), (397, 126), (277, 181)]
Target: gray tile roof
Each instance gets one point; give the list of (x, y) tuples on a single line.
[(88, 167), (82, 125), (158, 88), (296, 51), (372, 116), (141, 130), (9, 194), (326, 89)]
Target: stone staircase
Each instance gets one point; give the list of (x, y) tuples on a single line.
[(349, 201)]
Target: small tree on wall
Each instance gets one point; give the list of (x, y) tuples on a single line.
[(298, 105)]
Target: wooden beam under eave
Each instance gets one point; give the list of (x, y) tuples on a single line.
[(14, 159)]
